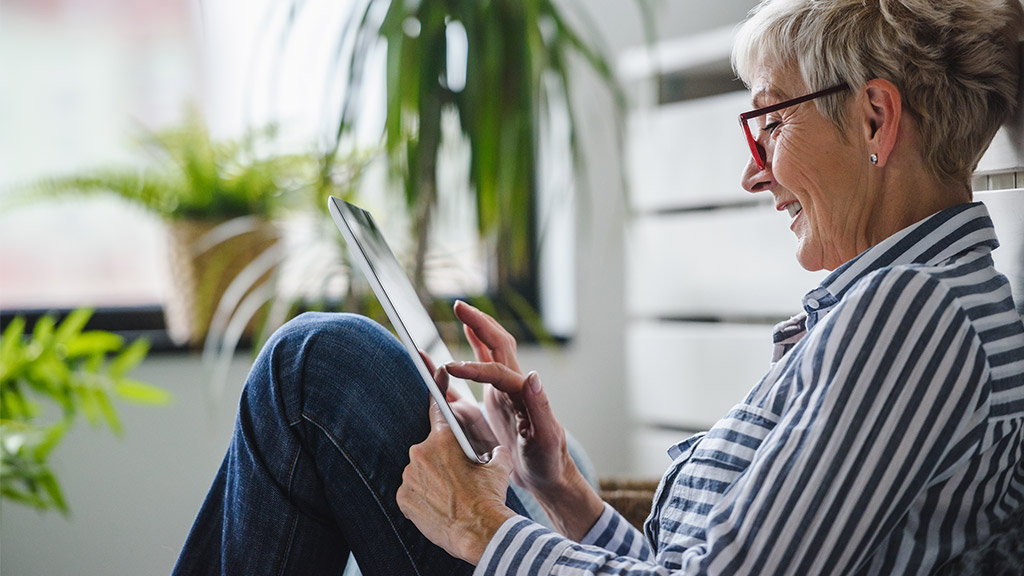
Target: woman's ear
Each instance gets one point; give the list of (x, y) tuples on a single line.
[(881, 113)]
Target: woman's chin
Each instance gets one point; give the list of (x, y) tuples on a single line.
[(809, 259)]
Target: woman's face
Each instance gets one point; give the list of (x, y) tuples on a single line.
[(816, 178)]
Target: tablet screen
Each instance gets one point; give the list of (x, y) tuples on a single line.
[(398, 297)]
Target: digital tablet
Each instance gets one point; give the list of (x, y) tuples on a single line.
[(410, 319)]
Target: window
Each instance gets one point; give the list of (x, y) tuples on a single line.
[(90, 75), (78, 78)]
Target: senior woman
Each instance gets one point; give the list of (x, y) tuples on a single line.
[(885, 438)]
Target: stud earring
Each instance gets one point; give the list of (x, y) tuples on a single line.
[(873, 158)]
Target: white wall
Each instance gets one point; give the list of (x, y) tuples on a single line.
[(586, 380), (133, 499)]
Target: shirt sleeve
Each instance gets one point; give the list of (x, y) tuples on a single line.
[(879, 405), (520, 538), (614, 533)]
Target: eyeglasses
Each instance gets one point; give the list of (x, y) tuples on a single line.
[(759, 153)]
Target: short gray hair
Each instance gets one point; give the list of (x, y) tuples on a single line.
[(955, 62)]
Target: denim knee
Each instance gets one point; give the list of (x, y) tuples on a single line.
[(339, 324), (318, 350), (333, 334)]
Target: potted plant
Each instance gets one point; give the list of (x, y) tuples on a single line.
[(218, 200), (67, 368), (514, 76)]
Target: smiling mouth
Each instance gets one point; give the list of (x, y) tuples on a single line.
[(794, 208)]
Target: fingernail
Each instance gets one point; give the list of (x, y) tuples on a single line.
[(534, 382)]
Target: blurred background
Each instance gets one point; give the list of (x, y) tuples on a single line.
[(138, 138)]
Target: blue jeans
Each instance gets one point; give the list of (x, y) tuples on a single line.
[(328, 413)]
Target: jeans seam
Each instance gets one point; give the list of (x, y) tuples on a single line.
[(295, 515), (291, 539), (376, 497), (295, 459)]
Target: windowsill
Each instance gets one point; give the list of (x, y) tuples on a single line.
[(131, 322), (134, 322)]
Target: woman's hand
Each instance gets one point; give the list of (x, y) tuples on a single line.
[(521, 417), (455, 503), (466, 409), (517, 406)]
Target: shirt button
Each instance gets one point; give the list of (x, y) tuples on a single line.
[(813, 304)]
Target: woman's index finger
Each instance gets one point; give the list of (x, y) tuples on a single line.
[(492, 334), (498, 375), (480, 350)]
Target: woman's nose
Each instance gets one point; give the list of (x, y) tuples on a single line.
[(755, 179)]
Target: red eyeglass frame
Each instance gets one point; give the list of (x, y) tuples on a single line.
[(759, 154)]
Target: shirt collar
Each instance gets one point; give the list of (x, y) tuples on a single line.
[(935, 239)]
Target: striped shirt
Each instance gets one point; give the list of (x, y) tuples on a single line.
[(886, 437)]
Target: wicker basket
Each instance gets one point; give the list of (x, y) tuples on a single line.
[(200, 274), (631, 498)]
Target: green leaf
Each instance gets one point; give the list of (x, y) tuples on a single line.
[(73, 324), (49, 439), (128, 359), (93, 343), (89, 405), (52, 488), (10, 343), (135, 391), (106, 408), (24, 498), (43, 331), (48, 374), (70, 369), (15, 406)]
